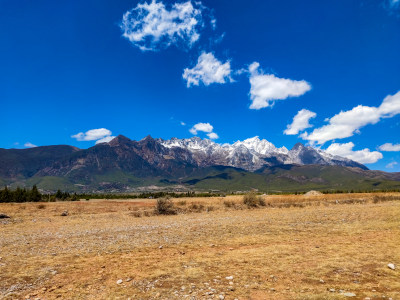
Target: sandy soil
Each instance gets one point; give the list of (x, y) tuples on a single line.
[(328, 248)]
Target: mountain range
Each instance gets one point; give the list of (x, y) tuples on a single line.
[(124, 165)]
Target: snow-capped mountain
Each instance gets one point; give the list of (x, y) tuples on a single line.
[(253, 153), (123, 162)]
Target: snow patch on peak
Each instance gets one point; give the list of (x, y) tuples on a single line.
[(252, 153)]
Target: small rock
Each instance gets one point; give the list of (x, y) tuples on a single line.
[(222, 297), (64, 213), (160, 247), (272, 289), (119, 281), (4, 216), (54, 272), (321, 281), (391, 266), (128, 279), (229, 278), (348, 294), (332, 290), (230, 282)]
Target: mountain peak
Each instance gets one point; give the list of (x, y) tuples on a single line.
[(119, 140), (298, 146), (147, 138)]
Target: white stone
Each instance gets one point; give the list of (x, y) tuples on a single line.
[(119, 281), (348, 294), (391, 266)]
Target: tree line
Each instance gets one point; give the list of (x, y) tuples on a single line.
[(20, 195)]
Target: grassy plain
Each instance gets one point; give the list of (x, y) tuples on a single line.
[(296, 247)]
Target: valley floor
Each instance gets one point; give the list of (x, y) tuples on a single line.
[(104, 250)]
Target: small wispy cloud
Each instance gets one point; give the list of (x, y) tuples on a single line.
[(391, 165), (390, 147), (183, 123), (151, 26), (213, 135), (208, 70), (100, 135), (347, 123), (300, 122), (267, 88), (364, 156), (204, 127), (29, 145)]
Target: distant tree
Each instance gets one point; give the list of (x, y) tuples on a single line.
[(5, 195), (34, 194), (74, 197), (59, 195), (20, 195), (66, 195)]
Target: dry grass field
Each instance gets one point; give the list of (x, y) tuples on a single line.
[(295, 247)]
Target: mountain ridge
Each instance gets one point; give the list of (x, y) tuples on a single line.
[(122, 164)]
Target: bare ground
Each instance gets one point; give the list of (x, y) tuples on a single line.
[(320, 251)]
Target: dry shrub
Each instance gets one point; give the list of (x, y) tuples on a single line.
[(181, 203), (41, 206), (196, 207), (165, 206), (148, 213), (137, 214), (229, 204), (252, 200), (210, 208), (382, 198)]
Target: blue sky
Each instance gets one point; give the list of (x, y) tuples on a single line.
[(237, 69)]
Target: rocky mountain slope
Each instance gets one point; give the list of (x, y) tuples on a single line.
[(252, 154), (123, 164)]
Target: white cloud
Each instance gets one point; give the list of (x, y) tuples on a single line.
[(205, 127), (105, 139), (29, 145), (389, 147), (267, 88), (391, 165), (183, 123), (152, 26), (364, 156), (92, 135), (346, 123), (213, 135), (208, 70), (300, 122)]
